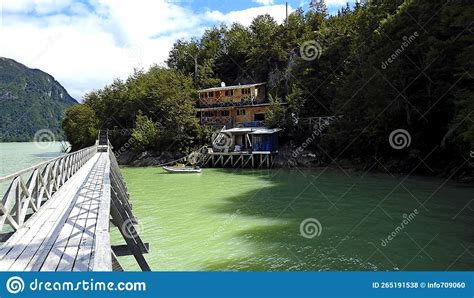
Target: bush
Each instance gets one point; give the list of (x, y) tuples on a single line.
[(80, 126), (145, 133)]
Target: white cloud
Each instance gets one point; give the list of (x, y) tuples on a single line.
[(38, 6), (336, 2), (245, 17), (264, 2), (86, 46)]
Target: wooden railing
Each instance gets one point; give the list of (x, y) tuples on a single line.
[(122, 215), (24, 197), (318, 122)]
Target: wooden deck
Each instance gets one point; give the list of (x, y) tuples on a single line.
[(60, 236), (68, 229), (255, 159)]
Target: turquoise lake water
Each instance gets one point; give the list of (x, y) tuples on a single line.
[(289, 220), (300, 220), (17, 156)]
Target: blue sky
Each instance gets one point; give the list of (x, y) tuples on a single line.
[(230, 5), (85, 44)]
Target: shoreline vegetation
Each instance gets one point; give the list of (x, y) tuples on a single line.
[(306, 160), (371, 64)]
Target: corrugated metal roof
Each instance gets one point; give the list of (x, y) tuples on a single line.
[(252, 130), (265, 131), (231, 87)]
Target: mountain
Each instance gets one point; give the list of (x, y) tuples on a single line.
[(30, 100)]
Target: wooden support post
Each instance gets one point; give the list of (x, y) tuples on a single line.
[(226, 161), (248, 157), (237, 161), (128, 232), (123, 217), (22, 199)]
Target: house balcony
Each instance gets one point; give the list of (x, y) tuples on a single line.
[(228, 104), (252, 124)]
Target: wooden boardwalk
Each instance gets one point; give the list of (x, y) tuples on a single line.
[(69, 231)]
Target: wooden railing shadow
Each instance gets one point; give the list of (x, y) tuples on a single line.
[(25, 197), (102, 197)]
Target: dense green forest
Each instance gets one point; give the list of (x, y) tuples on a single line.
[(162, 97), (30, 101), (383, 66)]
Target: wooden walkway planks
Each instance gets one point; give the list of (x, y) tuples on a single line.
[(72, 200), (102, 259), (62, 234)]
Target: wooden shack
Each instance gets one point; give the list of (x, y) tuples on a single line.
[(233, 106)]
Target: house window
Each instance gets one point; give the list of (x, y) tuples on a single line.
[(259, 117), (229, 93), (246, 91), (225, 113), (209, 114), (241, 112), (211, 94)]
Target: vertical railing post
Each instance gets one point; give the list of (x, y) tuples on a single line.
[(44, 180)]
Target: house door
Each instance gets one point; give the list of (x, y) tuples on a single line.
[(259, 117)]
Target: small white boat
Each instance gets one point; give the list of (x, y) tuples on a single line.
[(182, 170)]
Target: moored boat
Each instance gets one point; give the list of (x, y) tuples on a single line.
[(182, 170)]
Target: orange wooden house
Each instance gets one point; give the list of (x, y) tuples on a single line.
[(233, 106)]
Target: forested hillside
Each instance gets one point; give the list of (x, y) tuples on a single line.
[(30, 100), (385, 66)]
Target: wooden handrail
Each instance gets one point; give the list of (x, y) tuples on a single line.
[(46, 178), (24, 171), (122, 216)]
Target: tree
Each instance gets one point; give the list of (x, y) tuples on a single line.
[(81, 126), (166, 96), (145, 133), (275, 117), (425, 87)]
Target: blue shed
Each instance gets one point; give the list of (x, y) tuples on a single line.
[(265, 139)]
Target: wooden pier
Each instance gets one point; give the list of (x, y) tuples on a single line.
[(261, 159), (59, 218)]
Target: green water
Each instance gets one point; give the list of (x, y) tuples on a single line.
[(17, 156), (250, 220)]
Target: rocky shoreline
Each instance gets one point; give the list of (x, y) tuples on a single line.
[(290, 158)]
